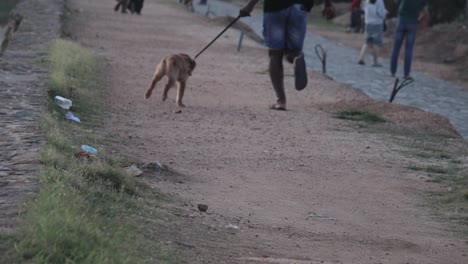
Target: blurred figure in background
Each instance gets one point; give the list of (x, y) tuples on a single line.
[(410, 12), (375, 13), (356, 24), (328, 11)]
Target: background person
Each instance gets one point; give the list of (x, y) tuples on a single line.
[(375, 13), (356, 16), (409, 13)]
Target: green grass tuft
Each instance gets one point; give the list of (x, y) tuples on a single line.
[(360, 115), (75, 75), (436, 169)]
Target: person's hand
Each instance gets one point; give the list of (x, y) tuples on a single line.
[(245, 11)]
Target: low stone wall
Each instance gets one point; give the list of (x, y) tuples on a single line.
[(23, 93)]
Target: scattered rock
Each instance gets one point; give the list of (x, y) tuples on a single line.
[(233, 227), (156, 166), (183, 244), (202, 207), (133, 171)]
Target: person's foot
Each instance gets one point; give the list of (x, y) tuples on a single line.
[(300, 72), (361, 62), (278, 107), (409, 78)]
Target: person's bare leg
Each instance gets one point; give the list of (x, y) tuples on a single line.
[(363, 54), (375, 56), (376, 52), (277, 78)]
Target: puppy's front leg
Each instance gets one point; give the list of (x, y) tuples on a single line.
[(180, 94)]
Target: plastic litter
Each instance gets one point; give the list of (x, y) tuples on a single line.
[(89, 149), (72, 117), (63, 102), (81, 153), (233, 227)]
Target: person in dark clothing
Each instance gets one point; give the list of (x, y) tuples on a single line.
[(356, 16), (122, 5), (328, 11), (135, 6), (284, 30), (409, 14)]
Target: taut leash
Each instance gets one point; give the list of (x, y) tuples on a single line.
[(207, 46)]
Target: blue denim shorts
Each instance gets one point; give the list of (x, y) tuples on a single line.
[(285, 29), (374, 34)]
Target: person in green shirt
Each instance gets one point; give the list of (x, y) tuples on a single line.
[(409, 12)]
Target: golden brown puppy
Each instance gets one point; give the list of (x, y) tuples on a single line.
[(177, 68)]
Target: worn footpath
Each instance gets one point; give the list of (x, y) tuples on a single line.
[(282, 187), (23, 93)]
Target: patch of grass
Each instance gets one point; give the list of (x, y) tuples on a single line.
[(420, 136), (7, 249), (87, 210), (436, 169), (444, 155), (74, 74), (360, 115), (429, 155)]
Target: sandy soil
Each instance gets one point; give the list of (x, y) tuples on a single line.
[(296, 187)]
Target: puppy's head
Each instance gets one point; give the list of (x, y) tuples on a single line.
[(190, 62)]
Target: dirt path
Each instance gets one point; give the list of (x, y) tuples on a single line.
[(272, 174)]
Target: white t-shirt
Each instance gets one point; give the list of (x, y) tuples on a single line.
[(375, 13)]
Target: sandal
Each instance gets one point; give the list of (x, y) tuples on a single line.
[(300, 72), (279, 107)]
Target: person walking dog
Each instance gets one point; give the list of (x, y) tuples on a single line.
[(284, 30), (409, 13)]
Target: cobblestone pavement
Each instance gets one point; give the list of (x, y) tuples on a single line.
[(22, 96), (426, 93)]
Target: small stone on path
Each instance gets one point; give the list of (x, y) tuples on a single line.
[(202, 207)]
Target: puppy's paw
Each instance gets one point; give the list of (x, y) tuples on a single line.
[(147, 94)]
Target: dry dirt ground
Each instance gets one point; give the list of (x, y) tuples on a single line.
[(296, 187)]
